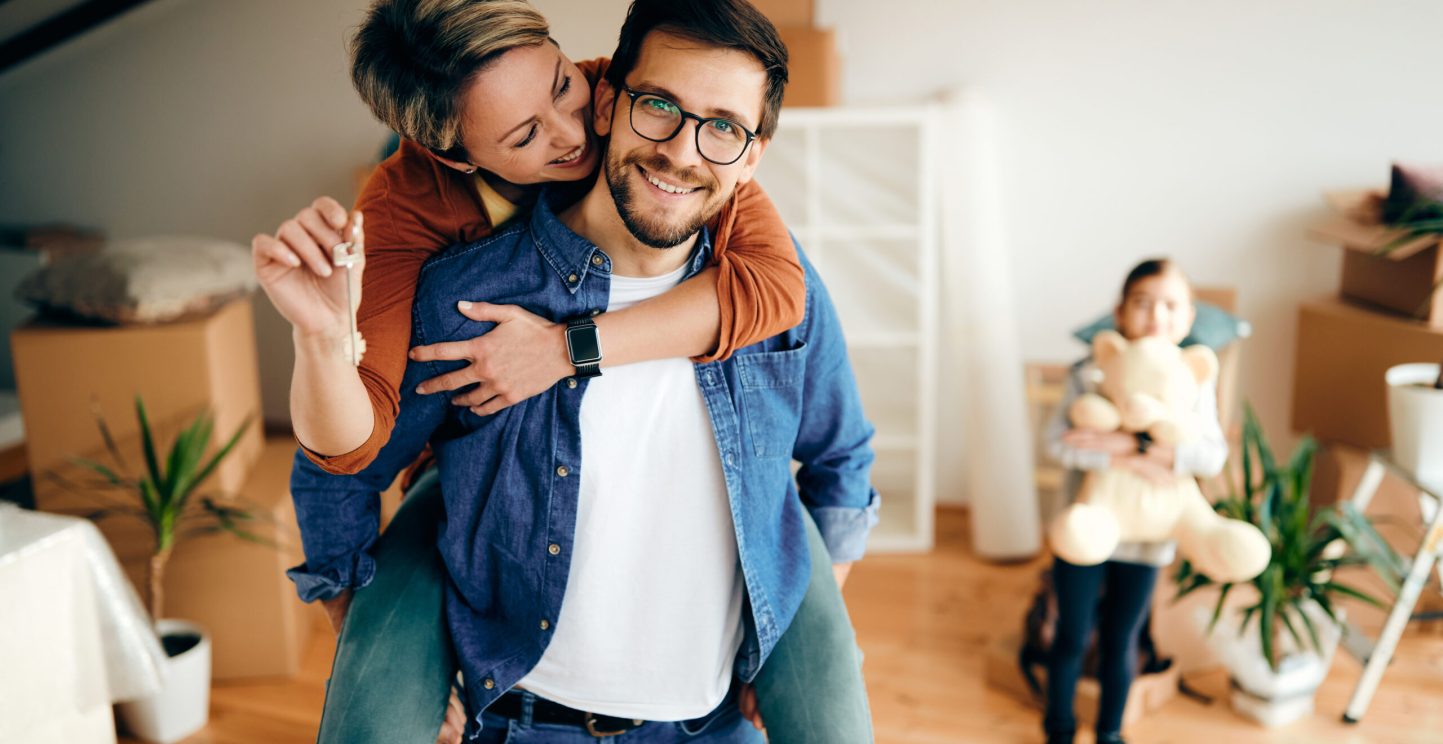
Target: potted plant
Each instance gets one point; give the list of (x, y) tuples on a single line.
[(1415, 420), (1289, 621), (166, 497)]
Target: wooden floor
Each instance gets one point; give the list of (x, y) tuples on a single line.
[(924, 623)]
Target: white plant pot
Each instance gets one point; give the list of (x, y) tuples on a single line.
[(1273, 697), (1415, 419), (182, 706)]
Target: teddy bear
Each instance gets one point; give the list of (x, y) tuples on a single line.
[(1150, 385)]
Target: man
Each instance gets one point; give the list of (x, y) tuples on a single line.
[(657, 501)]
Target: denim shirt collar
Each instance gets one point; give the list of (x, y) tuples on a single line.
[(573, 257)]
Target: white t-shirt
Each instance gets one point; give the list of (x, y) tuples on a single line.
[(651, 622)]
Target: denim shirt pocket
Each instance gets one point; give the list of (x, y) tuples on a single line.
[(771, 383)]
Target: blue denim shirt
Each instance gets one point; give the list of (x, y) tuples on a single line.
[(510, 482)]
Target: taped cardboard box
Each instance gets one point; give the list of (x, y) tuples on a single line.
[(1341, 355), (1386, 269), (814, 67), (65, 373)]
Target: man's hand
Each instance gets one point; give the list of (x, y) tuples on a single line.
[(840, 571), (336, 608), (454, 726), (1112, 442), (521, 357), (294, 267), (747, 701)]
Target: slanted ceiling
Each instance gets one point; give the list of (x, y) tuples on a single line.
[(32, 27)]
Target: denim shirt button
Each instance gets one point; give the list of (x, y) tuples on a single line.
[(545, 625), (553, 549), (731, 459), (562, 471), (489, 684), (597, 260), (571, 382), (709, 378), (571, 279)]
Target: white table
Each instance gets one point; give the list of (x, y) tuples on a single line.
[(73, 635)]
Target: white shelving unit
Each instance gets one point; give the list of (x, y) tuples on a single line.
[(858, 187)]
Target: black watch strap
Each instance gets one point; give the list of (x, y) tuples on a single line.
[(587, 370)]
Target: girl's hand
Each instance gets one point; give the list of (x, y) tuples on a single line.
[(747, 701), (295, 268), (522, 356), (1114, 443)]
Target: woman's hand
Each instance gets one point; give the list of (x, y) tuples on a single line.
[(295, 268), (1114, 443), (521, 357)]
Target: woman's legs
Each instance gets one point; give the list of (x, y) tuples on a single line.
[(811, 689), (1077, 592), (1124, 605), (394, 663)]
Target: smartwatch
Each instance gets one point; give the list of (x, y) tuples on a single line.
[(583, 346)]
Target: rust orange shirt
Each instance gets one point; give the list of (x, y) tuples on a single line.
[(415, 207)]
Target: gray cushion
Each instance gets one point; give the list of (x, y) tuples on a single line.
[(146, 280)]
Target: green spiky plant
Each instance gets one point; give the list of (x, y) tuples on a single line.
[(167, 490), (1309, 544), (1420, 220)]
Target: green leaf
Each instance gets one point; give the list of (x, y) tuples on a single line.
[(1218, 610), (147, 442), (221, 453), (1283, 615), (1312, 630), (1333, 586), (105, 472)]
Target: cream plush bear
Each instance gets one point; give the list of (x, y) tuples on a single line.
[(1150, 385)]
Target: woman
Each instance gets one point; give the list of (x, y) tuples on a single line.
[(489, 109)]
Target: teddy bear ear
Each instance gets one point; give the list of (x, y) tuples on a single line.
[(1202, 361), (1106, 345)]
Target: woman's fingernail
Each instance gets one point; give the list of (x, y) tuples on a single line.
[(464, 305)]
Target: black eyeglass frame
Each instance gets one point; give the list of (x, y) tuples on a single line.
[(681, 124)]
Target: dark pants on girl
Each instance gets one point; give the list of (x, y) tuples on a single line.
[(1117, 595)]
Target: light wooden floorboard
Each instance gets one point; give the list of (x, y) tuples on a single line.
[(924, 622)]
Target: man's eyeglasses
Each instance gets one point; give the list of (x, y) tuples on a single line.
[(722, 141)]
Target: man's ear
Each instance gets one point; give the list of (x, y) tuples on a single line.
[(752, 159), (603, 105)]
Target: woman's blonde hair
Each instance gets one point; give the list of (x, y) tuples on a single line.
[(412, 59)]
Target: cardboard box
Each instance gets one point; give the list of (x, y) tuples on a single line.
[(1342, 353), (786, 12), (237, 589), (1406, 280), (814, 67), (65, 373), (1148, 693)]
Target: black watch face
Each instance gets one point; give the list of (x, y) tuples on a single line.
[(584, 345)]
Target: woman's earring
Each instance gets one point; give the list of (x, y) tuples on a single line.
[(470, 170)]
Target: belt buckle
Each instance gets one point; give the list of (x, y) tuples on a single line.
[(591, 728)]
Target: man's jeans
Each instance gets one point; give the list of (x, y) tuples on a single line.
[(394, 665)]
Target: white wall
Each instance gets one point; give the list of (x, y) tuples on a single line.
[(1131, 127), (190, 116)]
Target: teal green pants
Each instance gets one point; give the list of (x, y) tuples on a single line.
[(394, 663)]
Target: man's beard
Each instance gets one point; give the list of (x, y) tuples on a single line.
[(648, 229)]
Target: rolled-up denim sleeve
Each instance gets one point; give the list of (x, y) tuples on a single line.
[(834, 443), (339, 515)]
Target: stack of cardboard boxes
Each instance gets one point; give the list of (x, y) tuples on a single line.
[(1387, 312), (814, 63), (67, 374)]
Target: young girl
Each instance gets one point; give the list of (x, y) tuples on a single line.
[(1156, 301)]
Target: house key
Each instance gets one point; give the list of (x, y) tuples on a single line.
[(345, 255)]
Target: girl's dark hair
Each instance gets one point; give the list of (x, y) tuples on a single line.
[(1150, 268)]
